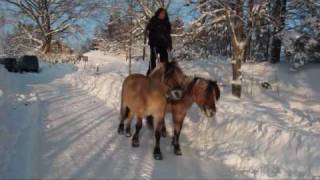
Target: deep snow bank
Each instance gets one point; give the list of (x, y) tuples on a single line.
[(263, 135)]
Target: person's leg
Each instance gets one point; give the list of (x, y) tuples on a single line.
[(163, 55), (153, 57)]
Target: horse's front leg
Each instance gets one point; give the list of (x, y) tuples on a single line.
[(157, 152), (178, 118), (135, 138)]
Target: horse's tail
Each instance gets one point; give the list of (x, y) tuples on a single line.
[(217, 91), (149, 120), (124, 110)]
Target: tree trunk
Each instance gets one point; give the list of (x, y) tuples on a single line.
[(250, 26), (279, 15), (130, 9), (144, 44), (238, 57), (238, 53), (46, 47)]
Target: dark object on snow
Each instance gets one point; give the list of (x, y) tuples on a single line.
[(28, 64), (266, 85), (9, 63)]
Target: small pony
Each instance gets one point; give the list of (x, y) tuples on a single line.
[(205, 93), (143, 96)]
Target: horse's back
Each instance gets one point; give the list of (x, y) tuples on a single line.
[(142, 95)]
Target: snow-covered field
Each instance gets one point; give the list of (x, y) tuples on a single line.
[(62, 123)]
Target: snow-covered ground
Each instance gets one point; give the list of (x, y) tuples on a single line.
[(62, 123)]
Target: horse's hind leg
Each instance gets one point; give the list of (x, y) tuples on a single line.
[(124, 113), (128, 127), (157, 152), (135, 138)]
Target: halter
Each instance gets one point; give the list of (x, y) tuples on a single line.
[(168, 71)]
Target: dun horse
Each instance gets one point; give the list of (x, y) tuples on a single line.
[(143, 96), (205, 93)]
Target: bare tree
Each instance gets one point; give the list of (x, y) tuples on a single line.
[(240, 20), (51, 18)]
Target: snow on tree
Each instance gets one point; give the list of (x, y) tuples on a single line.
[(50, 19), (300, 49), (302, 34), (126, 22), (236, 19)]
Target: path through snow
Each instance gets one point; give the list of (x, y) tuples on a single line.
[(72, 134), (62, 123)]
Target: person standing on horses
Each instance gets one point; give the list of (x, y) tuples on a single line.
[(160, 42)]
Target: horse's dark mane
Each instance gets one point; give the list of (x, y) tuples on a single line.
[(212, 85), (170, 68), (209, 89), (191, 84)]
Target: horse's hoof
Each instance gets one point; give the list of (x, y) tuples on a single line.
[(135, 143), (121, 129), (177, 150), (128, 134), (157, 156)]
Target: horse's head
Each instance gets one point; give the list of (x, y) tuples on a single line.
[(174, 79), (205, 93)]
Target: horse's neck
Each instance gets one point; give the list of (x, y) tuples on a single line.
[(156, 74), (189, 96), (156, 78)]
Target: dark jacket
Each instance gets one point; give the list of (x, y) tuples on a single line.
[(159, 33)]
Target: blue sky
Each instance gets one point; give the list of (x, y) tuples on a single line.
[(176, 9)]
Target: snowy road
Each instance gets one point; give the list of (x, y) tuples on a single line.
[(80, 141), (75, 137), (62, 123)]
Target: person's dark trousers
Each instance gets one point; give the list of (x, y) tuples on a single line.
[(154, 51)]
